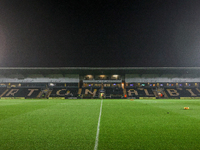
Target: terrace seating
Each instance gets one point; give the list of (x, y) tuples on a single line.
[(145, 92), (20, 92), (139, 92), (91, 92), (2, 90), (169, 76), (32, 92), (189, 76), (34, 76), (182, 92), (64, 92), (54, 76), (150, 75), (113, 92), (19, 76)]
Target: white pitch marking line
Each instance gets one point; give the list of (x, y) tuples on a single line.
[(98, 128)]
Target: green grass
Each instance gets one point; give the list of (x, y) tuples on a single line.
[(125, 124)]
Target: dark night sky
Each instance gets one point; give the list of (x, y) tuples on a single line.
[(66, 33)]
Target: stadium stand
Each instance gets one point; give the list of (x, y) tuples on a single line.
[(150, 75), (113, 92), (19, 76), (34, 76), (189, 76), (20, 92), (2, 76), (90, 92), (64, 92), (89, 82), (182, 92), (140, 92), (169, 76), (54, 76)]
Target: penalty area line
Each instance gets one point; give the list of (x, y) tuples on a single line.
[(98, 128)]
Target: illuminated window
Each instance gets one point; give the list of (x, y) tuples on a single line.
[(97, 85), (115, 77), (88, 77), (102, 77)]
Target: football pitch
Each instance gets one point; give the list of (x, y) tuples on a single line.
[(99, 124)]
